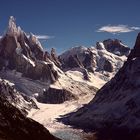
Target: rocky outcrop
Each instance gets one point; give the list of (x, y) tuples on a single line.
[(43, 71), (26, 55), (115, 46), (15, 126), (115, 109), (73, 62), (55, 95), (19, 100), (108, 66), (89, 61)]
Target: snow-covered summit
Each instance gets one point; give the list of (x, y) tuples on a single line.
[(101, 58)]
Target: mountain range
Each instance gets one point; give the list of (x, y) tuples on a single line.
[(35, 83)]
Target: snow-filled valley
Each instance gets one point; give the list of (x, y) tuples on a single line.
[(47, 114)]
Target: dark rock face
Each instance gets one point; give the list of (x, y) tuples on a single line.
[(10, 45), (15, 126), (136, 51), (26, 55), (89, 61), (108, 66), (73, 62), (55, 96), (115, 46), (78, 60), (115, 109), (43, 72)]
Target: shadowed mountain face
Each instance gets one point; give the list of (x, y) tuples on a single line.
[(115, 110), (14, 125)]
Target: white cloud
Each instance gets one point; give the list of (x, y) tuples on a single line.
[(44, 37), (135, 28), (116, 29), (41, 37)]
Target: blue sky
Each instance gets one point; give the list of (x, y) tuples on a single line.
[(74, 22)]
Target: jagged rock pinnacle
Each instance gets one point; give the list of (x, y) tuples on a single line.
[(22, 53), (12, 28), (135, 52)]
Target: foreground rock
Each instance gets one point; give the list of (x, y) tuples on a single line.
[(115, 109), (14, 125)]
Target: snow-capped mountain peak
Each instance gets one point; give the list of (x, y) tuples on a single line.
[(106, 57)]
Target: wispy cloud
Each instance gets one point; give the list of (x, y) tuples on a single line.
[(44, 37), (116, 29), (40, 37)]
